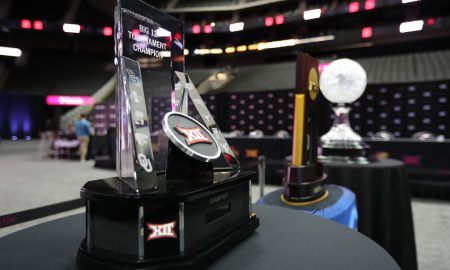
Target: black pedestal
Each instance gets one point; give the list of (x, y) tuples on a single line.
[(179, 226), (303, 183)]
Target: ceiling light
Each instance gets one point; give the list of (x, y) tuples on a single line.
[(71, 28), (9, 51), (411, 26), (312, 14), (234, 27)]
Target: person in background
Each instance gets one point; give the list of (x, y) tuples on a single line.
[(83, 130)]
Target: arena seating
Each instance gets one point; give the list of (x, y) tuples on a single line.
[(58, 73), (203, 3), (417, 67), (280, 76), (158, 87)]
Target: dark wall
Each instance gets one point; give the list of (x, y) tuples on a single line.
[(21, 115), (403, 109)]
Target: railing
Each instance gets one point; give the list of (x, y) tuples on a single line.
[(100, 95)]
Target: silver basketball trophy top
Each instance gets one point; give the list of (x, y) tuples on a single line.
[(342, 83)]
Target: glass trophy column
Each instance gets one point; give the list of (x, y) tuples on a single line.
[(186, 213), (341, 143)]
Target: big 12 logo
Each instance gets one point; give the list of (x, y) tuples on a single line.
[(193, 135), (165, 230)]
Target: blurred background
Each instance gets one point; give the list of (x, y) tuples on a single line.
[(57, 62)]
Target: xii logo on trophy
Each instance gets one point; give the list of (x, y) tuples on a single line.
[(193, 135), (161, 230), (190, 136)]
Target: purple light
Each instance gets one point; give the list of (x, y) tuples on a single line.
[(369, 4), (353, 7), (323, 66), (367, 32), (173, 101), (38, 25), (279, 19), (25, 24), (26, 127), (69, 100), (268, 21), (196, 29), (107, 31), (14, 124), (207, 29)]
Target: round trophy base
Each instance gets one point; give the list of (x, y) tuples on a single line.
[(177, 226), (346, 152), (303, 203), (200, 260), (344, 159), (304, 183)]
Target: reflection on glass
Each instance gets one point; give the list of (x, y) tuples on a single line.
[(149, 49)]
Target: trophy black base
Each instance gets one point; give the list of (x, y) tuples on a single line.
[(178, 226), (201, 260), (304, 183)]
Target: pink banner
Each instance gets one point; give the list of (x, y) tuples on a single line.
[(55, 100)]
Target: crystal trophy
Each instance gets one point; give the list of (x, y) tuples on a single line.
[(147, 36), (187, 213), (184, 91), (343, 82)]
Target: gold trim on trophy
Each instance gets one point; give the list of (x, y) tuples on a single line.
[(313, 83), (297, 146), (321, 198)]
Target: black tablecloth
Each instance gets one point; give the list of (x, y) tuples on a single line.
[(427, 164), (427, 167), (286, 239), (384, 205), (275, 149)]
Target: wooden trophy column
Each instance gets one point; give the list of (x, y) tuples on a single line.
[(304, 175)]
